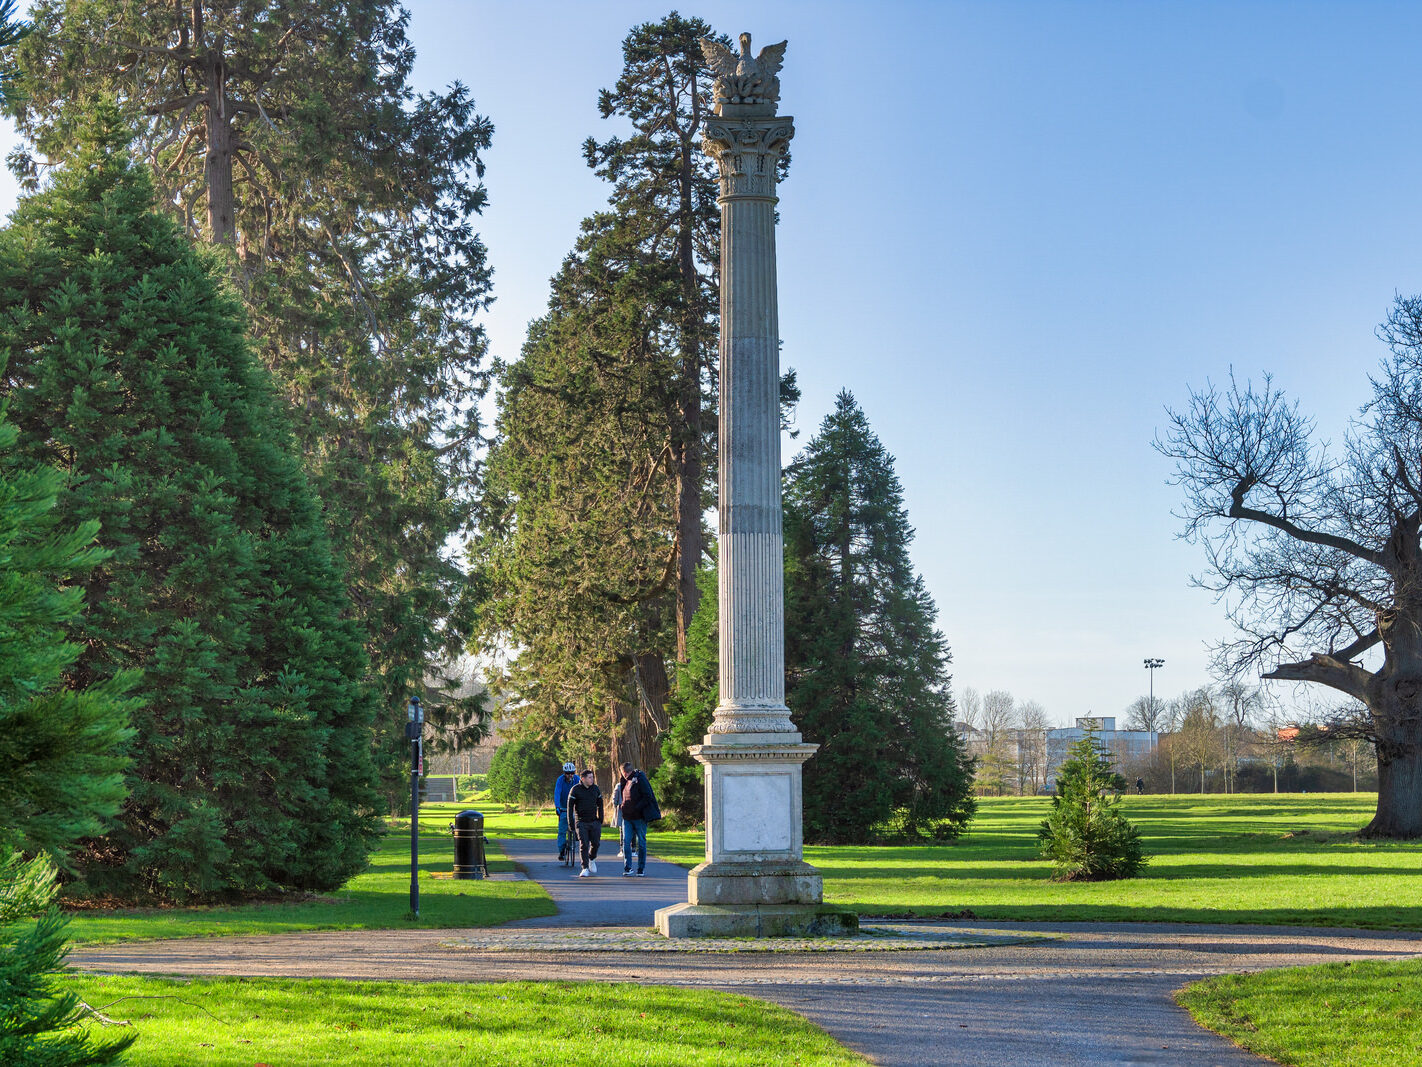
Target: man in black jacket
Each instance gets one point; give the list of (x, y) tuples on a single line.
[(585, 805)]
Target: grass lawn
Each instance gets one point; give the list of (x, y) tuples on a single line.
[(242, 1021), (378, 898), (1287, 859), (1364, 1014)]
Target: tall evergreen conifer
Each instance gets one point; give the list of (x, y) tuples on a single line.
[(867, 669), (130, 373), (61, 748), (61, 762), (288, 133), (664, 212), (591, 532), (592, 529)]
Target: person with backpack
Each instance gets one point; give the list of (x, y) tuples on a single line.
[(639, 807), (561, 787)]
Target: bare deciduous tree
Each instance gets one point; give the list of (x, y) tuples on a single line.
[(970, 708), (1146, 713), (1199, 735), (1032, 726), (996, 767), (1317, 556), (1240, 707)]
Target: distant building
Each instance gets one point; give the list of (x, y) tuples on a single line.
[(1126, 746)]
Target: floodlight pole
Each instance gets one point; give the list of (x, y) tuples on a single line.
[(414, 730), (1151, 664)]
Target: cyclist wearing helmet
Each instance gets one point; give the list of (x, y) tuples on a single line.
[(565, 782)]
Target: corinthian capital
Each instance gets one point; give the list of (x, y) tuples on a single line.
[(747, 150)]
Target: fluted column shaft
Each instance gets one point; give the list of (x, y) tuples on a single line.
[(751, 559)]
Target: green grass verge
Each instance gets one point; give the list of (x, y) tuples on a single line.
[(378, 898), (1364, 1014), (242, 1021), (1286, 859)]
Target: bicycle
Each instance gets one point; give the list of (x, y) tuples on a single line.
[(570, 846)]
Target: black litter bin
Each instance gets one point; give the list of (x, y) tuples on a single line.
[(469, 861)]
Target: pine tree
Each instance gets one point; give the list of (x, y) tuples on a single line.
[(61, 762), (664, 212), (1087, 837), (574, 559), (591, 528), (288, 134), (130, 373), (867, 669)]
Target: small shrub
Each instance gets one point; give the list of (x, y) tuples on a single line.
[(1087, 837)]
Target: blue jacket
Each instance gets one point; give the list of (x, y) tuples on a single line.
[(561, 787)]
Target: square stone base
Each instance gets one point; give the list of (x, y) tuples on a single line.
[(777, 881), (757, 920)]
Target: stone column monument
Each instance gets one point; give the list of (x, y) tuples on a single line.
[(754, 881)]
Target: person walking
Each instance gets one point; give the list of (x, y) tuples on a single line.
[(617, 815), (639, 807), (561, 787), (585, 807)]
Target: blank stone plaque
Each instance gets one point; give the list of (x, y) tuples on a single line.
[(756, 809)]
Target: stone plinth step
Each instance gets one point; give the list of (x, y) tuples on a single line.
[(757, 920)]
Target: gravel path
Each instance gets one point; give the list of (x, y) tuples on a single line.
[(1087, 993)]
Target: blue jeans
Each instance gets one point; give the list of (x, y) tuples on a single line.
[(562, 830), (634, 836)]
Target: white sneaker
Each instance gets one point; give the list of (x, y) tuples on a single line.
[(592, 866), (583, 873)]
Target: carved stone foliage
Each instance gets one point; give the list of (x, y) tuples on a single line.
[(746, 151)]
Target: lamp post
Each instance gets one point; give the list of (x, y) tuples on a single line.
[(1151, 664), (414, 730)]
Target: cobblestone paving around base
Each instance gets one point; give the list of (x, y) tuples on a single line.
[(895, 937)]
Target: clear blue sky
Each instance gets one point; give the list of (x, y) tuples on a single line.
[(1016, 232)]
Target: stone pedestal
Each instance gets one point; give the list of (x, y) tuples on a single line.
[(754, 881)]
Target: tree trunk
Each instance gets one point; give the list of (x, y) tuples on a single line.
[(652, 687), (221, 207), (1399, 749), (688, 453), (626, 736), (688, 523)]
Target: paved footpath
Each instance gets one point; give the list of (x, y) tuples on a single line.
[(1078, 993)]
